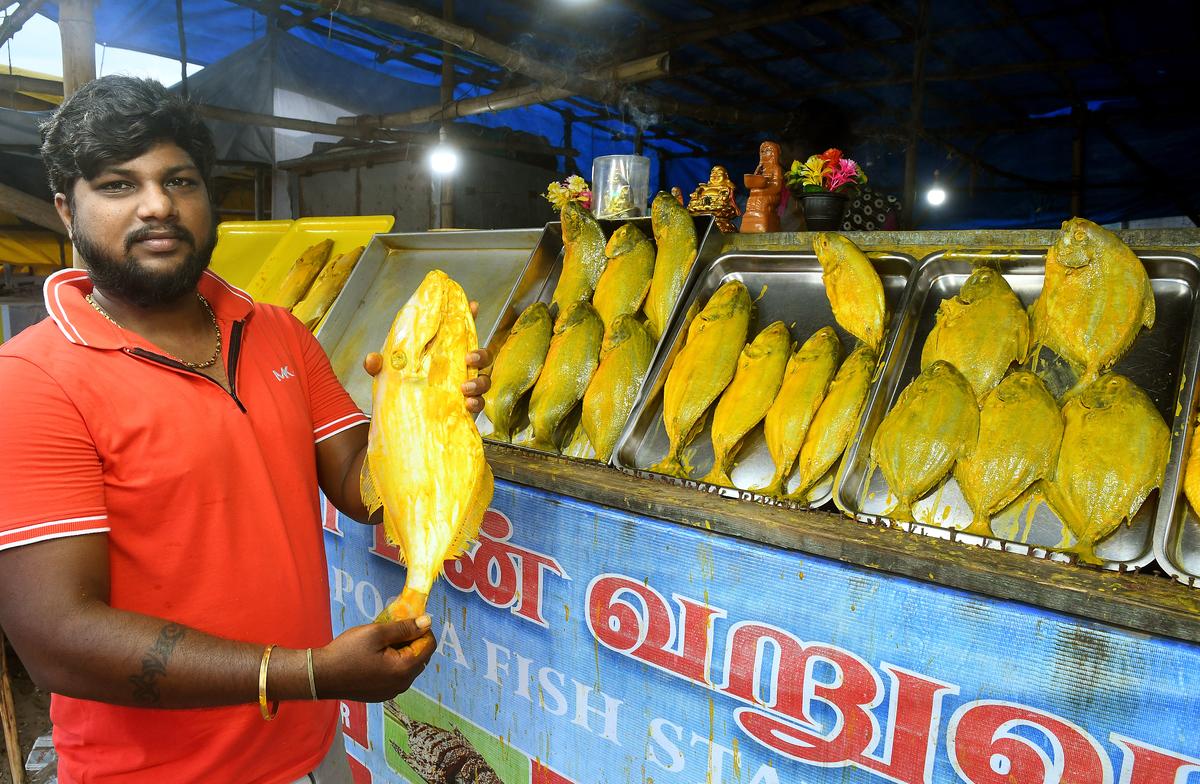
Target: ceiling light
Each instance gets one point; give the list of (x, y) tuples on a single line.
[(936, 196), (443, 159)]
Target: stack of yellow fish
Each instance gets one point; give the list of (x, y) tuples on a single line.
[(807, 405), (974, 413), (311, 283), (584, 357)]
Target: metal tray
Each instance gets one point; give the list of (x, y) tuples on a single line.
[(789, 287), (1156, 363), (491, 266), (538, 286)]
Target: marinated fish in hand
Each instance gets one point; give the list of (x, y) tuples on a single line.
[(326, 288), (583, 258), (805, 381), (675, 235), (517, 366), (624, 360), (571, 360), (1114, 452), (835, 421), (425, 463), (1020, 429), (982, 331), (703, 368), (853, 286), (745, 401), (1095, 299), (626, 279), (934, 423)]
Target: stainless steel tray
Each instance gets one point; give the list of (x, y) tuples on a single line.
[(491, 266), (790, 288), (1156, 363), (538, 286)]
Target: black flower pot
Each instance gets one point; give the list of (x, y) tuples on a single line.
[(823, 211)]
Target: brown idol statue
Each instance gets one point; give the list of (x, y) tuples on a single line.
[(766, 186), (715, 198)]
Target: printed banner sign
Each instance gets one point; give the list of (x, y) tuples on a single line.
[(579, 643)]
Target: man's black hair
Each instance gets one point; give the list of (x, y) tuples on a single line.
[(115, 119)]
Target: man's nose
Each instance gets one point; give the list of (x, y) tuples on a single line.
[(155, 203)]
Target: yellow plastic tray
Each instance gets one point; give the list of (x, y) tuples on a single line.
[(346, 233), (243, 247)]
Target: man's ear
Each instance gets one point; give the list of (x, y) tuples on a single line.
[(63, 207)]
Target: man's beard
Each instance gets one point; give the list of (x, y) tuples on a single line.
[(132, 282)]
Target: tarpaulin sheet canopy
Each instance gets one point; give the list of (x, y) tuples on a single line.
[(1015, 92)]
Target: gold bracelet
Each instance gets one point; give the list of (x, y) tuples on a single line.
[(312, 681), (268, 710)]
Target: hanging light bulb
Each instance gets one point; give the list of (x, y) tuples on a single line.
[(443, 159), (936, 195)]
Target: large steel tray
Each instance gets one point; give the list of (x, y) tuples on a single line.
[(1157, 362), (538, 286), (492, 267), (789, 287)]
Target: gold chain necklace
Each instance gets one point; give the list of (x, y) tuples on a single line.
[(211, 316)]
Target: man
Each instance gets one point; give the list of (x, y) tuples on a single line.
[(160, 542)]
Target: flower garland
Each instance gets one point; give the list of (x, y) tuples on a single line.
[(573, 188)]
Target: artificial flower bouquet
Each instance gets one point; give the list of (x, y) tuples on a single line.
[(573, 188), (827, 172)]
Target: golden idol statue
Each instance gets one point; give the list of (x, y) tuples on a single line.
[(715, 198)]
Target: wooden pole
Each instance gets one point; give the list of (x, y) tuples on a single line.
[(30, 208), (909, 207), (446, 207), (77, 29), (1077, 159), (8, 716), (20, 15)]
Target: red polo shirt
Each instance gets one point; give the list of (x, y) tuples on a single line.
[(209, 501)]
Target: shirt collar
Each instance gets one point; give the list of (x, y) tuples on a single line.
[(83, 325)]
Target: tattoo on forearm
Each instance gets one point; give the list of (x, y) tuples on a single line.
[(154, 665)]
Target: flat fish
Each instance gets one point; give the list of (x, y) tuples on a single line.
[(571, 360), (835, 421), (624, 361), (853, 286), (745, 401), (982, 331), (675, 236), (1020, 429), (934, 423), (1114, 452), (1095, 300), (583, 258), (805, 380), (703, 368), (626, 279), (516, 367)]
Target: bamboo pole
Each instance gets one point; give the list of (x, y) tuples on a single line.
[(77, 29), (8, 717), (909, 207), (17, 19)]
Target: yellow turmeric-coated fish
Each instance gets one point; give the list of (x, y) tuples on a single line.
[(516, 367), (934, 423), (703, 368), (1095, 299), (982, 331), (853, 286), (299, 277), (326, 288), (805, 381), (583, 258), (624, 360), (675, 236), (1020, 429), (1114, 452), (571, 360), (745, 401), (1191, 476), (425, 463), (626, 278), (835, 421)]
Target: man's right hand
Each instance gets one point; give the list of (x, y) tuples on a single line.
[(374, 662)]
